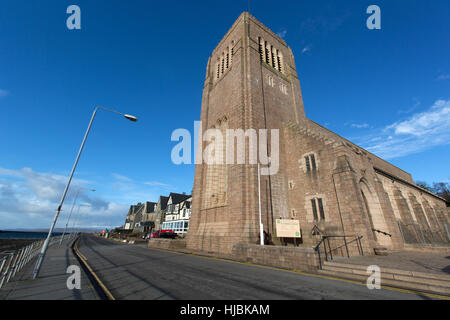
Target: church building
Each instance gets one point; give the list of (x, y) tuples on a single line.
[(329, 184)]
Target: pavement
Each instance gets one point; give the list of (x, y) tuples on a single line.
[(51, 282), (134, 272), (138, 273), (433, 263)]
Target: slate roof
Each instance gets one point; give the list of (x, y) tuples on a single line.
[(151, 206), (163, 201), (178, 197)]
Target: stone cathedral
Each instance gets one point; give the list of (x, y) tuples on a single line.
[(329, 184)]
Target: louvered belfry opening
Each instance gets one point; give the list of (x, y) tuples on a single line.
[(224, 61), (270, 55)]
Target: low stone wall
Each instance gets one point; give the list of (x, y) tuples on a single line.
[(168, 244), (294, 258)]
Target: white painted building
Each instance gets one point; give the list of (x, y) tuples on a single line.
[(178, 213)]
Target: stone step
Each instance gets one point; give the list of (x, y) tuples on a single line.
[(400, 272), (391, 276), (391, 283)]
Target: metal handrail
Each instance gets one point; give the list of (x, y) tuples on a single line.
[(326, 239), (13, 261)]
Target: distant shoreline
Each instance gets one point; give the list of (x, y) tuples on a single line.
[(7, 234)]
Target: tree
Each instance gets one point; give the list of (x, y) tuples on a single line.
[(424, 185), (442, 189)]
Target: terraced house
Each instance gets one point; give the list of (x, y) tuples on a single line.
[(178, 213)]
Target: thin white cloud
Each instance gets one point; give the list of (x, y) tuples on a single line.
[(158, 184), (326, 23), (3, 93), (306, 49), (359, 125), (416, 104), (121, 177), (28, 199), (419, 132), (282, 33), (443, 77), (434, 121)]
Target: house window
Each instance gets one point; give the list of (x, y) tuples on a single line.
[(318, 202)]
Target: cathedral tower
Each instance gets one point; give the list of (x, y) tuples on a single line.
[(251, 83)]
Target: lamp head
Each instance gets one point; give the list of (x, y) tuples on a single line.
[(130, 117)]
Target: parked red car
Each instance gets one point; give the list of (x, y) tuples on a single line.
[(163, 234)]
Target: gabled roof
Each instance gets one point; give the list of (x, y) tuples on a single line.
[(178, 197), (131, 210), (186, 204), (151, 206), (163, 201)]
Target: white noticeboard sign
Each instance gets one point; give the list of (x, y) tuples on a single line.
[(288, 228)]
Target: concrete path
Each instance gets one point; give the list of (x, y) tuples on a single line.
[(134, 272), (51, 283)]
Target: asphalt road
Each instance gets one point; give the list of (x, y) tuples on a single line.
[(135, 272)]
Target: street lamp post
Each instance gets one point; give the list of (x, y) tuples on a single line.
[(47, 240), (78, 216), (71, 210)]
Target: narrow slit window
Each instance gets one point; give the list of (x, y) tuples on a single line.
[(280, 64), (322, 213), (223, 64), (260, 49), (267, 53), (228, 58), (308, 166), (314, 209), (231, 52), (272, 57), (279, 61), (313, 162)]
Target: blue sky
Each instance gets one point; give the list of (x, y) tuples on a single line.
[(387, 90)]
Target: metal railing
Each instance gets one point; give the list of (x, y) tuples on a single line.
[(325, 242), (12, 262)]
